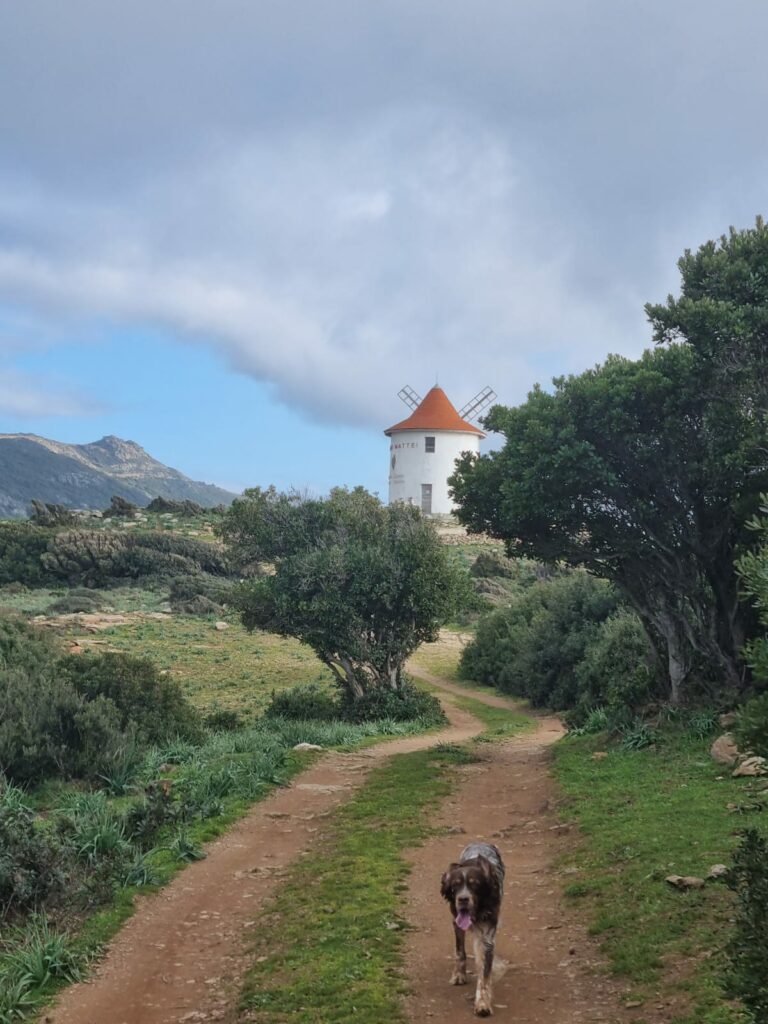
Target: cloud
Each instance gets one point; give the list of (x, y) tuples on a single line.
[(345, 201), (27, 397)]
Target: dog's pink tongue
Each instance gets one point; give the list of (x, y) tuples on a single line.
[(463, 920)]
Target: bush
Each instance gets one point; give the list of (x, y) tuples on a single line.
[(199, 594), (46, 514), (533, 647), (80, 600), (120, 507), (751, 729), (618, 670), (47, 728), (102, 557), (31, 862), (747, 974), (152, 704), (22, 547), (404, 705), (223, 720), (22, 646), (179, 508), (304, 703)]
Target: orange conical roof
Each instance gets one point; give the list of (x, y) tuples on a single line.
[(435, 413)]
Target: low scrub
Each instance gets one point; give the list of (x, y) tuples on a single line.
[(311, 703), (751, 729), (565, 643), (747, 973), (152, 705)]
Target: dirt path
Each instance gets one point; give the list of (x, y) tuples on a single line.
[(545, 960), (180, 957)]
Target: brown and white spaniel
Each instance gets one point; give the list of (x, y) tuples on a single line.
[(474, 888)]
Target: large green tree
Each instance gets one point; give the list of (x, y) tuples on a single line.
[(644, 471), (360, 583)]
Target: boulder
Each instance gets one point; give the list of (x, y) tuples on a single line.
[(728, 719), (307, 746), (751, 766), (724, 749), (684, 882), (716, 872), (221, 626)]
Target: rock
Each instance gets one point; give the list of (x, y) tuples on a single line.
[(307, 746), (221, 626), (600, 755), (685, 882), (751, 766), (728, 720), (724, 749), (716, 872)]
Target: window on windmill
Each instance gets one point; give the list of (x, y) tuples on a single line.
[(429, 444)]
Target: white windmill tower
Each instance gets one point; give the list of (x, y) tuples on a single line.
[(424, 447)]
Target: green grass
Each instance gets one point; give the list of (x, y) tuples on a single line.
[(231, 669), (643, 815), (330, 961)]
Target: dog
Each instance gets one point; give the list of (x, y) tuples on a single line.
[(474, 888)]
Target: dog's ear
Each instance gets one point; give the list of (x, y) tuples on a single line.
[(445, 882)]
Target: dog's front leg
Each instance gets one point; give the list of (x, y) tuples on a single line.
[(459, 976), (484, 947)]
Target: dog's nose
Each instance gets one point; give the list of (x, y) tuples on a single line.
[(463, 901)]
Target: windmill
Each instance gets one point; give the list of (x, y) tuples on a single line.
[(424, 447)]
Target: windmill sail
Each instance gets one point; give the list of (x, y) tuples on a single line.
[(409, 396), (478, 404)]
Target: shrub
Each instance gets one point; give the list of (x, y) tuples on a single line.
[(403, 705), (22, 547), (78, 601), (751, 729), (153, 704), (120, 507), (180, 508), (46, 514), (22, 646), (223, 720), (31, 862), (618, 670), (747, 974), (101, 557), (47, 728), (304, 703), (533, 647), (199, 594)]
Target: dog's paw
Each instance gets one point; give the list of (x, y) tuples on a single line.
[(458, 979), (483, 1008)]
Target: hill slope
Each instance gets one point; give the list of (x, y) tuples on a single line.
[(87, 475)]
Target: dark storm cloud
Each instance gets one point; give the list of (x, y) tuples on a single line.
[(346, 196)]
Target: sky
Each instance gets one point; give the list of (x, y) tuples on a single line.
[(232, 230)]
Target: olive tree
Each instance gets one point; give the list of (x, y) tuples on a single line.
[(361, 583)]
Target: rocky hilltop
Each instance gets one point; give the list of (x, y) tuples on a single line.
[(87, 475)]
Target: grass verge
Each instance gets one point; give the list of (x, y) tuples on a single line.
[(321, 960), (643, 815)]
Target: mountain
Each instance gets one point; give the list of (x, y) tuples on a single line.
[(87, 475)]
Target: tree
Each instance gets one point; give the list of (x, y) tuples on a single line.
[(631, 471), (360, 583)]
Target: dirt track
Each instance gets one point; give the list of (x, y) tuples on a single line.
[(546, 965), (180, 958)]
